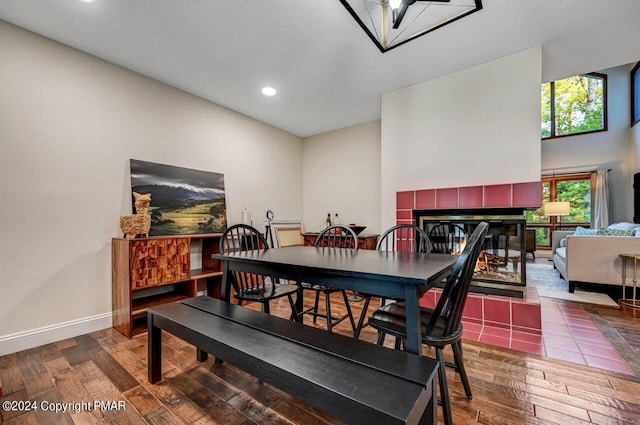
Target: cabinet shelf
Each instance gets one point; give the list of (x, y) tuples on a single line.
[(140, 306), (141, 266), (204, 273)]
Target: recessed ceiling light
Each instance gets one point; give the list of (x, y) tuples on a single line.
[(269, 91), (87, 1)]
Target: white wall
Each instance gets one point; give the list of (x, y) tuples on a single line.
[(341, 173), (602, 150), (478, 126), (68, 125)]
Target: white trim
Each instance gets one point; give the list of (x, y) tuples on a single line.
[(52, 333)]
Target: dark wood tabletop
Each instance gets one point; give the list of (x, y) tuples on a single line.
[(393, 275)]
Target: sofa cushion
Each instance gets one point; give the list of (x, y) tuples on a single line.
[(625, 225), (615, 232), (581, 231), (562, 253)]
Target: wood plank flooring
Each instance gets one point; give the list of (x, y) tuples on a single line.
[(509, 387)]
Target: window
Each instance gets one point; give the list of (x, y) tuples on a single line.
[(635, 95), (574, 105), (576, 190)]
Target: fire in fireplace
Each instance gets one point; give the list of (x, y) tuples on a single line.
[(501, 266)]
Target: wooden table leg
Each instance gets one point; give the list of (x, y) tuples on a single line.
[(224, 287), (412, 310), (154, 354)]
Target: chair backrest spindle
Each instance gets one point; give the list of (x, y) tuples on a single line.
[(242, 237), (337, 236), (446, 238), (404, 238)]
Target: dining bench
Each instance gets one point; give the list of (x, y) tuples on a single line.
[(351, 380)]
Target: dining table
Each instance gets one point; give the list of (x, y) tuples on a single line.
[(394, 275)]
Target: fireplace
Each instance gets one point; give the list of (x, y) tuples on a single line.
[(501, 267)]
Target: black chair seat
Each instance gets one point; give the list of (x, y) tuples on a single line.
[(269, 292), (315, 287), (392, 318)]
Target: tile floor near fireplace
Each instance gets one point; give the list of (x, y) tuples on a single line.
[(539, 325), (568, 333)]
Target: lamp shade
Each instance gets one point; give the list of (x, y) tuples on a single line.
[(557, 208)]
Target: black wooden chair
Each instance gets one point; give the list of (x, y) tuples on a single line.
[(442, 325), (500, 250), (399, 238), (447, 238), (343, 241), (253, 287)]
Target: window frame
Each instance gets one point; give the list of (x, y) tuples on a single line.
[(605, 111), (555, 223), (635, 93)]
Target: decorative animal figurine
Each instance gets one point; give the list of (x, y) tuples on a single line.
[(140, 223)]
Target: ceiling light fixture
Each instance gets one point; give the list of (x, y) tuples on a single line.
[(269, 91), (391, 23)]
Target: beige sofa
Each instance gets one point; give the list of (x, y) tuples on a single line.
[(592, 259)]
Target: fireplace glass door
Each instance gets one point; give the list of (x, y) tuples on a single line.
[(503, 253)]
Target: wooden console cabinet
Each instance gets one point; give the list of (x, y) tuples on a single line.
[(364, 241), (157, 270)]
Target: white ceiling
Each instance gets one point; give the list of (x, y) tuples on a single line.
[(327, 72)]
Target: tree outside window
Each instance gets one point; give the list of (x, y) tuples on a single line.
[(574, 105), (574, 189)]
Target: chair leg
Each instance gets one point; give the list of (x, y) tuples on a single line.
[(327, 301), (444, 389), (361, 324), (457, 356), (266, 308), (397, 344), (381, 336), (294, 313), (315, 307), (349, 313)]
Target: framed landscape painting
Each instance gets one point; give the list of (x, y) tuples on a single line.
[(183, 201)]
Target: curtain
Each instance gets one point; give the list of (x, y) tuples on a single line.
[(599, 199)]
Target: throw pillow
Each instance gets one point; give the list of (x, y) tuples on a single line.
[(615, 232), (563, 242), (624, 225), (581, 231)]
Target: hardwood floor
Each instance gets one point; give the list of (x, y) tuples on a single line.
[(509, 387)]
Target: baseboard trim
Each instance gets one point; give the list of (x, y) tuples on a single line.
[(36, 337)]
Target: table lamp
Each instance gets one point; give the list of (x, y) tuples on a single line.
[(557, 209)]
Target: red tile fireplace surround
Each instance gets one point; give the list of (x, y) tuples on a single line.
[(511, 195), (522, 315)]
